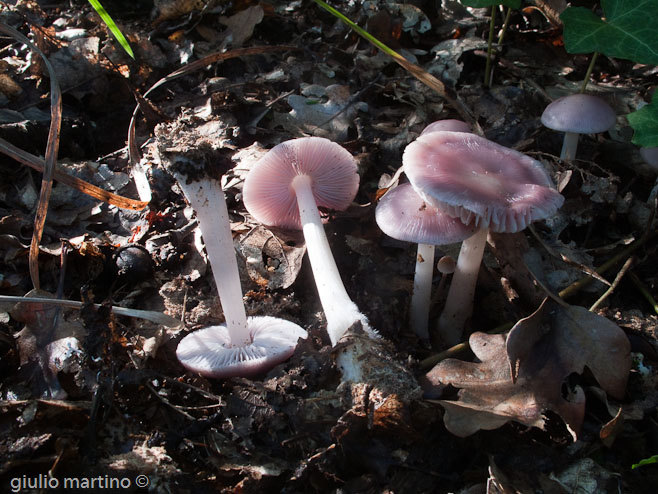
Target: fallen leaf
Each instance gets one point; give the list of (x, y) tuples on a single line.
[(241, 26), (523, 375), (274, 258)]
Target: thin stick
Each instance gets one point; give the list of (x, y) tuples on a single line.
[(487, 69), (612, 287), (586, 280)]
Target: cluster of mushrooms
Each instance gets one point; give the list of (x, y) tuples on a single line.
[(460, 186)]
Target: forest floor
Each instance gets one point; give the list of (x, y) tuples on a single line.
[(91, 395)]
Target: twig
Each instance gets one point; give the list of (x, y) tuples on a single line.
[(612, 287), (576, 286), (168, 403)]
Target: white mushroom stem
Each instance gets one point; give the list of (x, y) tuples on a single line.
[(207, 199), (338, 308), (459, 303), (569, 146), (420, 300)]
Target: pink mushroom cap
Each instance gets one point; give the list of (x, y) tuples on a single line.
[(404, 215), (474, 179), (208, 351), (579, 114), (268, 195), (447, 124)]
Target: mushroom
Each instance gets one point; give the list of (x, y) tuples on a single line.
[(577, 114), (447, 124), (285, 188), (242, 346), (403, 215), (476, 180)]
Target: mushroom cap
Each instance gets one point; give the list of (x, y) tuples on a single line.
[(448, 124), (472, 178), (404, 215), (268, 195), (208, 351), (446, 265), (579, 114)]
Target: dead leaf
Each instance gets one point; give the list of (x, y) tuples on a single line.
[(579, 338), (240, 26), (521, 376), (331, 118), (274, 258)]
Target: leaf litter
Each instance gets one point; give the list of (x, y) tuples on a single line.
[(310, 425)]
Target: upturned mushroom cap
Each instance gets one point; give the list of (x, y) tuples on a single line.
[(474, 179), (267, 191), (579, 114), (448, 124), (404, 215), (208, 351)]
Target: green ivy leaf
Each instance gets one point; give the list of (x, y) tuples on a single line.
[(515, 4), (645, 123), (628, 31)]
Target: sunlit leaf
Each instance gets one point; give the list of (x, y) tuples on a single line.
[(627, 31)]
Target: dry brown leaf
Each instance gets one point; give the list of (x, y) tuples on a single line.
[(274, 258), (521, 376)]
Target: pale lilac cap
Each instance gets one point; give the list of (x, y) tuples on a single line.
[(449, 124), (475, 179), (208, 351), (579, 114), (267, 193), (404, 215)]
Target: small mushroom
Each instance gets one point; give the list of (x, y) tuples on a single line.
[(243, 346), (403, 215), (285, 188), (476, 180), (577, 114)]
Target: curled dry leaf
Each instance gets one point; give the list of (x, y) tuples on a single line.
[(522, 375), (274, 257)]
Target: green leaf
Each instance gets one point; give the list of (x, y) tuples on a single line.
[(100, 10), (645, 123), (514, 4), (628, 31), (647, 461)]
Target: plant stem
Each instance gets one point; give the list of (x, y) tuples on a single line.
[(338, 308), (207, 199), (487, 69), (459, 303), (508, 15), (420, 299), (583, 87)]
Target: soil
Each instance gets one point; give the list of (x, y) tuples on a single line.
[(94, 400)]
